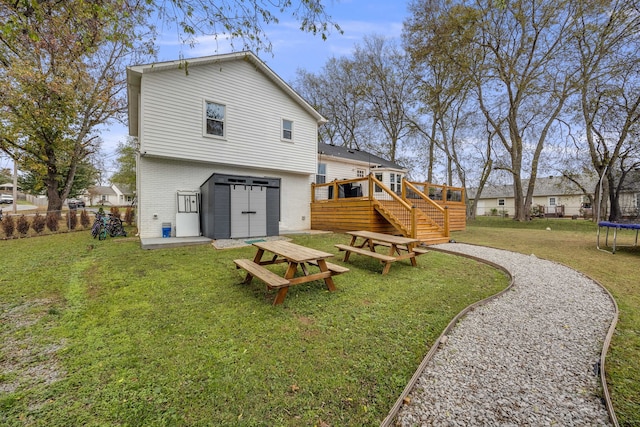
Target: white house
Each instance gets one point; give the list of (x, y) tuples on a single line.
[(226, 135), (339, 162), (558, 196), (553, 196)]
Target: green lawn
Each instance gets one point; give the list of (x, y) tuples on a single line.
[(103, 333)]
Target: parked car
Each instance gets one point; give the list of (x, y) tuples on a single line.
[(6, 199), (75, 204)]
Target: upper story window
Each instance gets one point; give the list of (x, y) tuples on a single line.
[(360, 173), (287, 129), (215, 119), (500, 202)]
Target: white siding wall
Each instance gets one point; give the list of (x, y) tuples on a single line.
[(172, 118), (176, 155), (340, 170), (160, 179)]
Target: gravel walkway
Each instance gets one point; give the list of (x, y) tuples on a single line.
[(530, 357)]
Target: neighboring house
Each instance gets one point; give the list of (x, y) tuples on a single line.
[(124, 194), (630, 195), (558, 197), (552, 196), (7, 188), (102, 195), (339, 162), (226, 148)]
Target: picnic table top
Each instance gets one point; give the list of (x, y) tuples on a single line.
[(292, 251), (396, 240)]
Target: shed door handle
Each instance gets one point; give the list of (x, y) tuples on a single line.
[(249, 212)]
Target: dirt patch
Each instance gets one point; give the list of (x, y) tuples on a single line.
[(27, 355)]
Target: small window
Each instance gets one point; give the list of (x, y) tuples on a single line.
[(214, 116), (321, 176), (287, 129), (377, 188), (500, 202), (360, 173), (393, 182), (552, 201)]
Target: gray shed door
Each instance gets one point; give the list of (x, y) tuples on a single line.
[(248, 211)]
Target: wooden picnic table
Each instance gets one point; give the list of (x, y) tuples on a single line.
[(296, 256), (399, 247)]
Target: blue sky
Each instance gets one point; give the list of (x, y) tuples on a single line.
[(292, 49)]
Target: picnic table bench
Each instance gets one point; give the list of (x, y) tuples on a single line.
[(397, 245), (296, 256)]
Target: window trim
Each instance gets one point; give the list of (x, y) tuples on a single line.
[(321, 175), (283, 130), (205, 119)]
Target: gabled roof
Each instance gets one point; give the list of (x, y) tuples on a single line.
[(103, 190), (358, 156), (134, 77)]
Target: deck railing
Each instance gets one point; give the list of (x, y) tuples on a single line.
[(445, 209), (345, 188), (367, 188), (437, 213), (443, 194)]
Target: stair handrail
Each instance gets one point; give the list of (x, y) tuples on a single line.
[(423, 196), (374, 180), (412, 209), (444, 210)]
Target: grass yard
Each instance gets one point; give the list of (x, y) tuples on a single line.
[(573, 243), (102, 333)]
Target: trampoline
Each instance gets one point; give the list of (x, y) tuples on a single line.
[(616, 226)]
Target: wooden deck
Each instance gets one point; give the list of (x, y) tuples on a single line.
[(411, 214)]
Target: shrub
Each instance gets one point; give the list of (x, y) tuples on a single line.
[(85, 221), (115, 211), (52, 221), (8, 225), (129, 215), (72, 220), (22, 225), (38, 223)]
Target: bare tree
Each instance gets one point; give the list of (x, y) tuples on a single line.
[(389, 92), (337, 93), (608, 101)]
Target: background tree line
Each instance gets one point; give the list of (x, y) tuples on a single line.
[(483, 89), (477, 89)]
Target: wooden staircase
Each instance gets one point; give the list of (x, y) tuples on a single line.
[(397, 215)]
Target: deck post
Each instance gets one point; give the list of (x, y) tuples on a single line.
[(313, 192), (414, 228), (446, 221)]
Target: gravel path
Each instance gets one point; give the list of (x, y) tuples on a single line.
[(529, 357)]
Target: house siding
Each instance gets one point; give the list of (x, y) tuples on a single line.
[(160, 179), (175, 154), (255, 107)]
